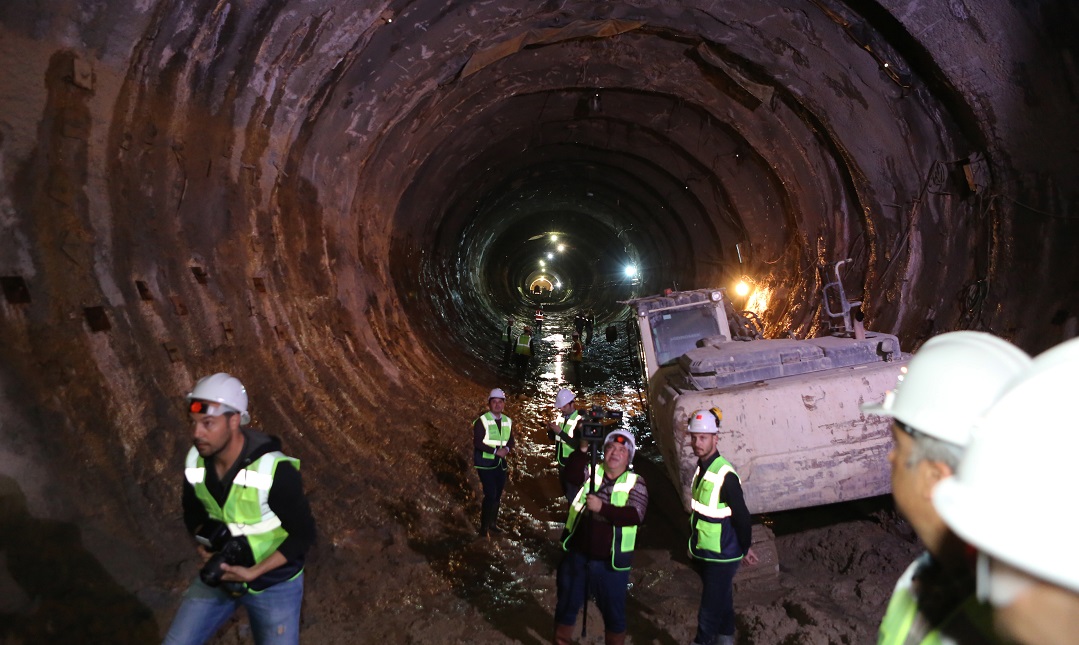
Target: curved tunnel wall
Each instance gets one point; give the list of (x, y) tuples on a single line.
[(337, 202)]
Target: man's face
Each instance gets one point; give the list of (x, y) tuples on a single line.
[(912, 488), (615, 457), (212, 434), (496, 405), (703, 443), (567, 409)]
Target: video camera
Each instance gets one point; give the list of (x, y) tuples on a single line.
[(226, 549), (595, 423)]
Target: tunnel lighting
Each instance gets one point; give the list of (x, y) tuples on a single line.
[(631, 271), (550, 256), (561, 247), (542, 263), (742, 288), (554, 238)]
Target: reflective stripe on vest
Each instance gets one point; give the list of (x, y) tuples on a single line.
[(623, 538), (494, 438), (522, 345), (247, 508), (711, 535), (569, 426)]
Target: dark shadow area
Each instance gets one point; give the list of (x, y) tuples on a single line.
[(64, 595)]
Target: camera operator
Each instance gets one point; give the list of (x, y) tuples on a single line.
[(600, 534), (243, 498)]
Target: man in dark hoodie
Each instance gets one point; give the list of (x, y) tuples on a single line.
[(243, 501)]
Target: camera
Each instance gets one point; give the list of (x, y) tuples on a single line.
[(226, 549), (595, 423)]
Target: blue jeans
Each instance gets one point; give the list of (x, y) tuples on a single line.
[(605, 584), (274, 613), (715, 617)]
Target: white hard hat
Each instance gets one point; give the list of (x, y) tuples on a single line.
[(221, 389), (705, 421), (496, 393), (563, 397), (624, 437), (1019, 470), (950, 382)]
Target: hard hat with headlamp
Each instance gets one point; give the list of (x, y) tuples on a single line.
[(218, 394), (1018, 468), (563, 397), (624, 437), (950, 382)]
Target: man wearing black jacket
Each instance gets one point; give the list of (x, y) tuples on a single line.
[(244, 502), (720, 530)]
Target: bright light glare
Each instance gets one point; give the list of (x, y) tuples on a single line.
[(550, 256), (741, 288), (554, 238), (561, 247), (542, 263), (631, 271)]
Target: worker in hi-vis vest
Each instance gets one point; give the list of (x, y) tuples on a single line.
[(492, 441)]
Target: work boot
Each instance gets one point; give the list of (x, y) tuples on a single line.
[(725, 639), (494, 528), (485, 521), (563, 634), (610, 638)]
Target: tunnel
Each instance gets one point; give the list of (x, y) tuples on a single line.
[(341, 202)]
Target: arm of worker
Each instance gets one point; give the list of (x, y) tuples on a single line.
[(505, 450), (732, 496), (478, 435), (288, 502), (631, 514)]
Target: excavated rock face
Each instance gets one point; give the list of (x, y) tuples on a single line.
[(340, 201)]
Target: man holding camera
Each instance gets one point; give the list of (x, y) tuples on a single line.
[(600, 533), (244, 502)]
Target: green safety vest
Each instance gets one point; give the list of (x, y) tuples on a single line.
[(711, 533), (522, 345), (494, 438), (971, 621), (624, 537), (247, 509), (506, 333), (569, 426)]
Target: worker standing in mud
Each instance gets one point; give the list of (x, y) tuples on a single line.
[(600, 536), (508, 338), (952, 380), (720, 533), (563, 432), (243, 501), (589, 326), (522, 351), (576, 357), (492, 441)]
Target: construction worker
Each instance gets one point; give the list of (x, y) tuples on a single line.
[(243, 501), (576, 356), (720, 530), (507, 337), (539, 315), (600, 536), (492, 441), (564, 433), (1011, 499), (523, 349), (951, 381)]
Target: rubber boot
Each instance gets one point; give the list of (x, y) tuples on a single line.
[(485, 521), (610, 638), (494, 528), (725, 639), (563, 634)]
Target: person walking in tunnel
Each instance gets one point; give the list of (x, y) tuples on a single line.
[(1009, 496), (600, 535), (492, 441), (951, 381), (576, 358), (508, 340), (564, 433), (578, 322), (539, 315), (720, 530), (243, 501), (589, 326), (523, 351)]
